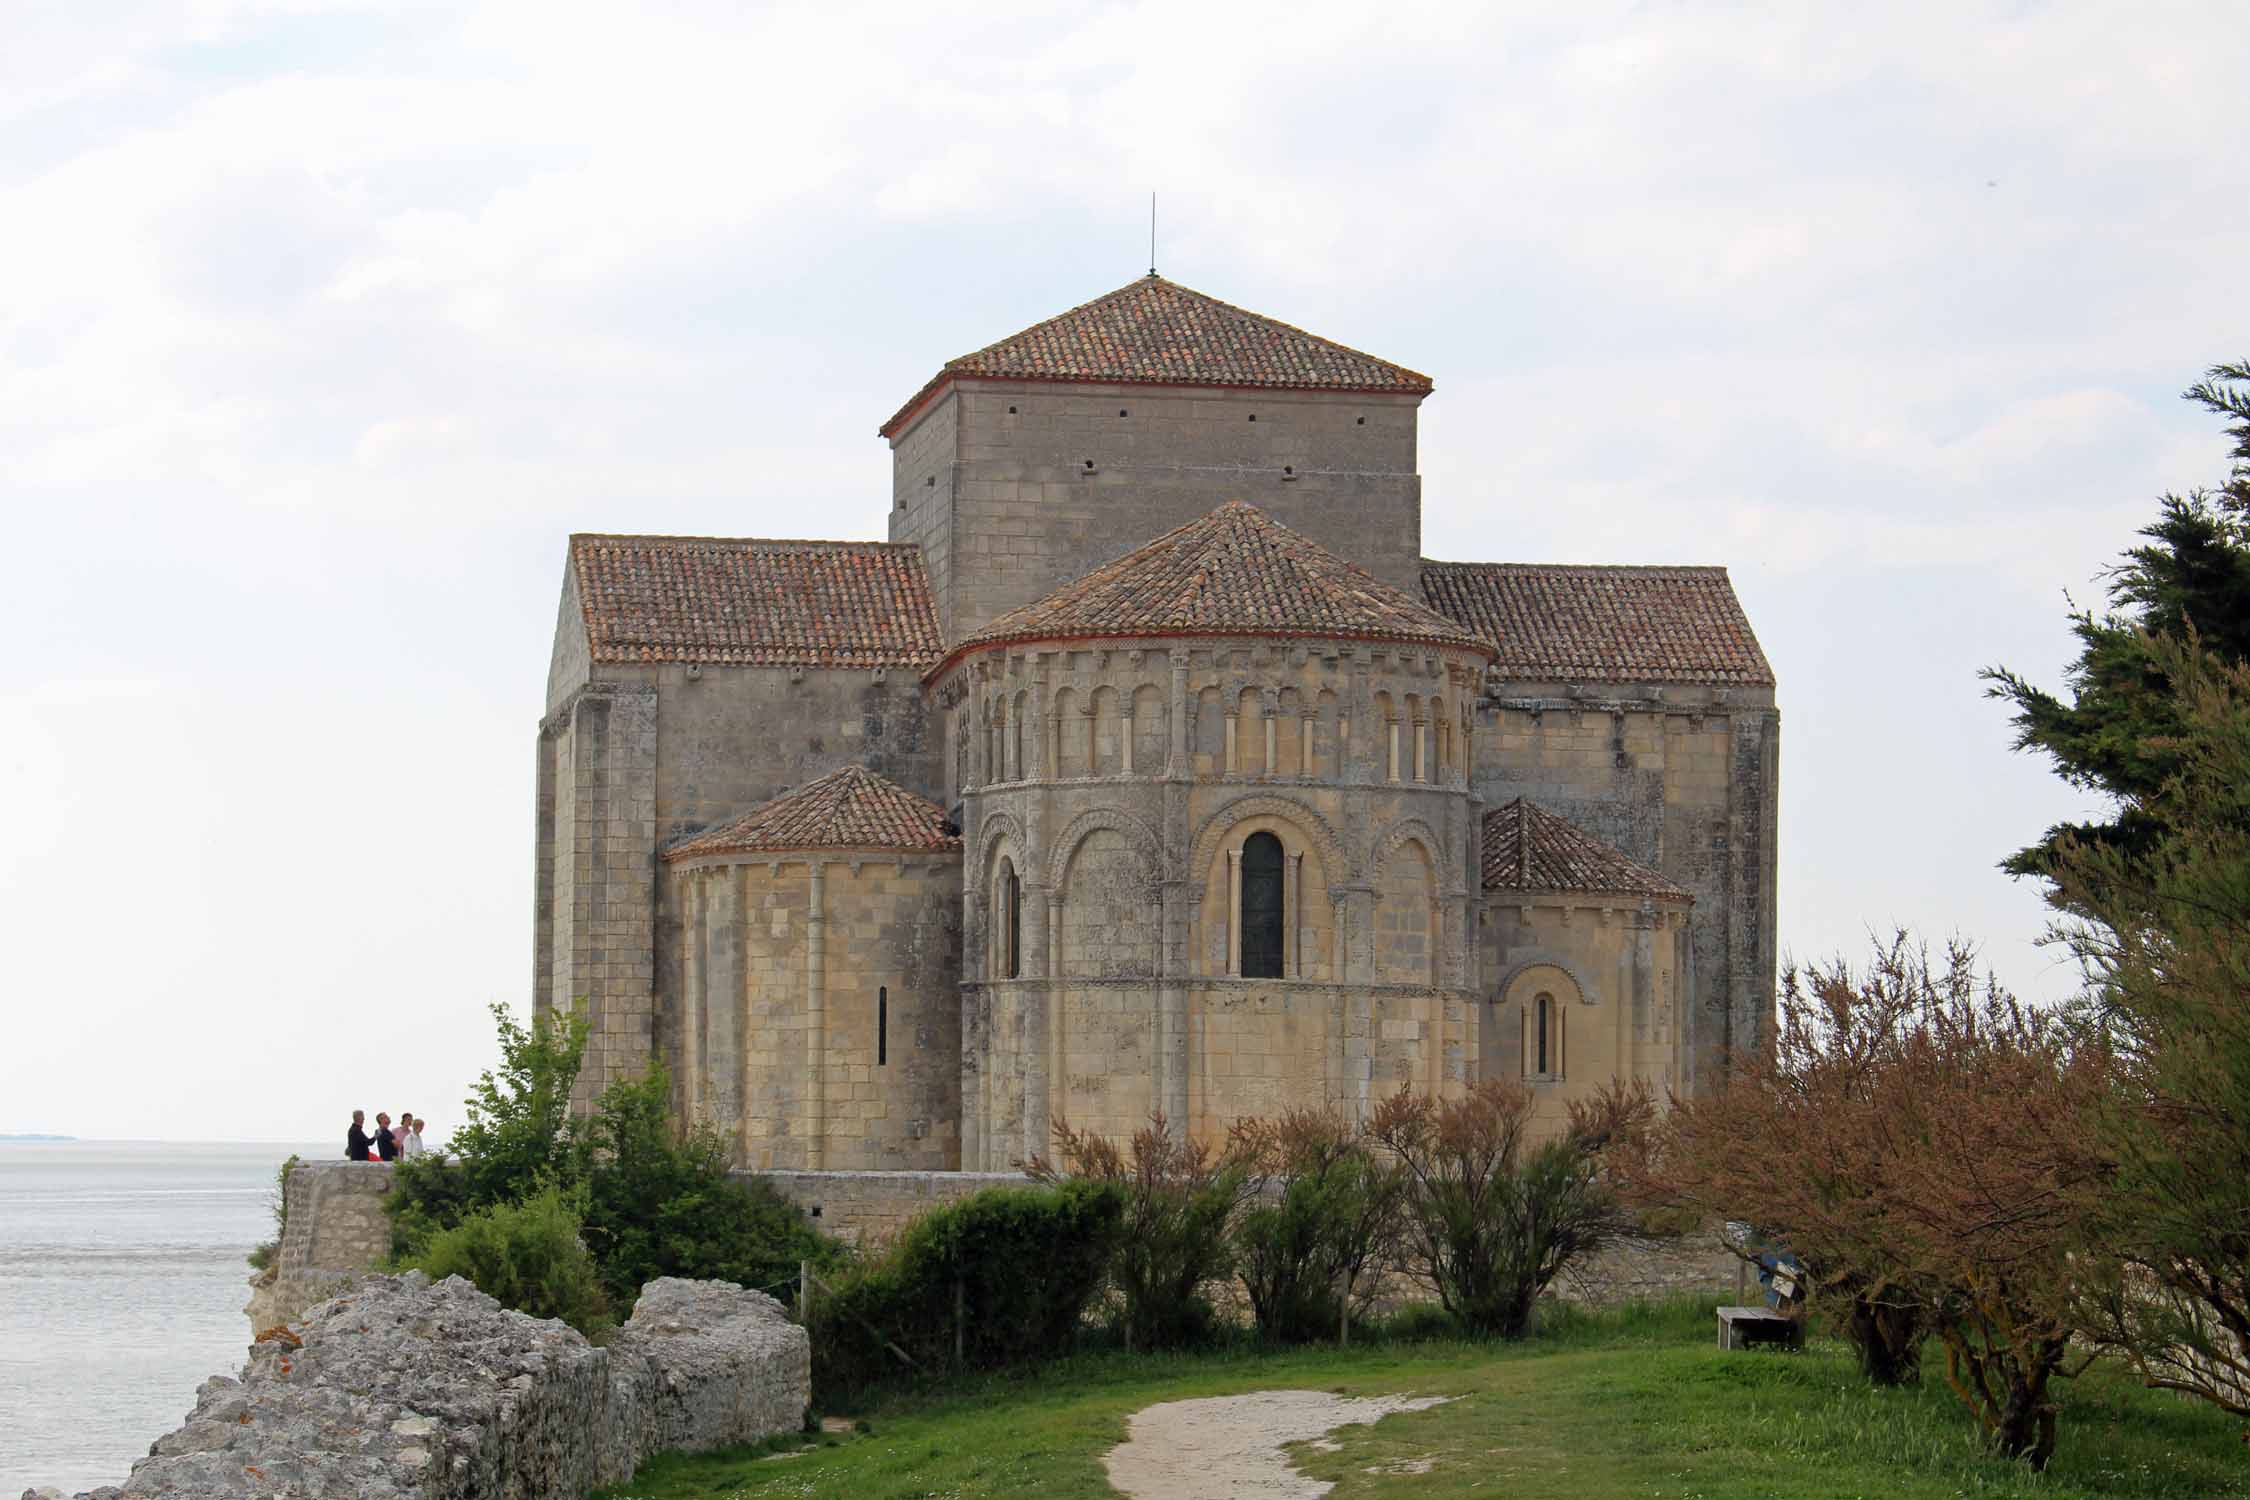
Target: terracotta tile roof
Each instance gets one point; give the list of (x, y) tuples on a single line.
[(1157, 332), (747, 601), (1527, 848), (1552, 622), (1235, 571), (852, 808)]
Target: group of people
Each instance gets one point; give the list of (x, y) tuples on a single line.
[(385, 1144)]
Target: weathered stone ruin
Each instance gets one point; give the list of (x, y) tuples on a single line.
[(404, 1390)]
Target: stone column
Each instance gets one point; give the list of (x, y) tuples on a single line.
[(1267, 770), (692, 999), (1125, 745), (726, 1061), (816, 1010), (1178, 766), (1171, 1010), (1421, 748), (1234, 911), (1032, 998), (1305, 766), (1233, 761), (1058, 1043)]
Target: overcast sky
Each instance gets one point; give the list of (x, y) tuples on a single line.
[(324, 324)]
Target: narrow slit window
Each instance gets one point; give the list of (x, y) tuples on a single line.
[(1546, 1013), (1015, 925), (882, 1025), (1261, 907)]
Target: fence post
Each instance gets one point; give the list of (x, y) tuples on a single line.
[(804, 1292)]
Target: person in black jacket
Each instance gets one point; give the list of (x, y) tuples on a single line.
[(386, 1143), (355, 1139)]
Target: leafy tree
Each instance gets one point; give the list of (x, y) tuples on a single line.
[(1491, 1217), (1327, 1213), (2166, 940), (2119, 729), (1920, 1140), (660, 1201), (1180, 1199), (516, 1138)]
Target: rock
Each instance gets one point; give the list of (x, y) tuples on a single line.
[(403, 1390)]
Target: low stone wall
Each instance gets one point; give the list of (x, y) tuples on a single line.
[(1696, 1262), (333, 1231), (408, 1391), (868, 1208)]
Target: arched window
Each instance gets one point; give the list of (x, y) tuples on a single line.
[(1545, 1054), (1008, 941), (1261, 907)]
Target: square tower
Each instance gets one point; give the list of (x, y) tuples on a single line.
[(1025, 464)]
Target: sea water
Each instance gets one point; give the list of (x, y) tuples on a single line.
[(122, 1284)]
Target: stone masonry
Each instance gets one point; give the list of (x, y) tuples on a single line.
[(402, 1390), (1200, 749)]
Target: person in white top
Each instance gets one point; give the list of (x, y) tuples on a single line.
[(409, 1136)]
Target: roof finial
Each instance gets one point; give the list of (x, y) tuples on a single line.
[(1152, 234)]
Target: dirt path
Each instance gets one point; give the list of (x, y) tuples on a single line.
[(1229, 1446)]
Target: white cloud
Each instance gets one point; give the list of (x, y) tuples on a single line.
[(330, 319)]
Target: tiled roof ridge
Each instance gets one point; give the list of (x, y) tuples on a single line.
[(1393, 376), (1703, 570), (851, 807), (1528, 848), (736, 541), (1388, 613)]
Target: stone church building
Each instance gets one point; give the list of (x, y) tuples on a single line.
[(1149, 767)]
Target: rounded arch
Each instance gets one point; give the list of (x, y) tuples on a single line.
[(998, 833), (1317, 829), (1138, 834), (1397, 836), (1543, 969)]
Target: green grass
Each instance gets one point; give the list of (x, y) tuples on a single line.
[(1632, 1403)]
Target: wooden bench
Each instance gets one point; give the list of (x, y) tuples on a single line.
[(1744, 1327)]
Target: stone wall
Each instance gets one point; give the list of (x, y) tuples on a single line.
[(867, 1208), (1014, 488), (840, 1053), (1683, 779), (407, 1391), (334, 1231)]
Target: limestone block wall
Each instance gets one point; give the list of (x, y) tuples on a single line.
[(1014, 488), (595, 873), (1103, 964), (1612, 972), (419, 1392), (1683, 779), (333, 1231), (868, 1208), (820, 1023)]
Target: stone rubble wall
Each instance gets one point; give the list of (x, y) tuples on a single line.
[(868, 1208), (408, 1391), (333, 1232)]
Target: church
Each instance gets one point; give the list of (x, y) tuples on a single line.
[(1148, 768)]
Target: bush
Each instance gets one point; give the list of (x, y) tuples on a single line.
[(1303, 1250), (266, 1254), (660, 1202), (1003, 1277), (1491, 1219), (527, 1256), (517, 1137), (1180, 1199)]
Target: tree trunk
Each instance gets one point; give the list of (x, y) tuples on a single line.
[(1887, 1339)]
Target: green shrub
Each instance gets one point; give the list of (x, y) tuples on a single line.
[(1304, 1251), (527, 1256), (660, 1202), (1003, 1277), (1180, 1200), (516, 1139)]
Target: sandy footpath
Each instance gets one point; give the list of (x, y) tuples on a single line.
[(1225, 1446)]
